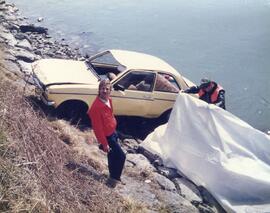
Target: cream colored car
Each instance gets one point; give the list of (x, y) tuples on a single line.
[(143, 85)]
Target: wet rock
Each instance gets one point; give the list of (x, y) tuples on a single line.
[(33, 28), (40, 19)]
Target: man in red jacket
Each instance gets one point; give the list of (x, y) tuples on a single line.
[(104, 126)]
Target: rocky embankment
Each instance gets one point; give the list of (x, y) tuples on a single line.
[(148, 181)]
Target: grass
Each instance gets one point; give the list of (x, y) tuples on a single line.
[(48, 165), (34, 154)]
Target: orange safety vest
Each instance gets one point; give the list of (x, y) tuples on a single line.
[(214, 95)]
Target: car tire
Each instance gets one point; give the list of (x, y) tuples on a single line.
[(73, 111)]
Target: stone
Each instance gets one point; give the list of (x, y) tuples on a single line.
[(25, 67), (175, 203), (167, 172), (164, 182), (188, 189), (140, 162), (138, 191), (8, 38), (13, 67), (32, 28), (24, 55), (21, 36), (24, 44)]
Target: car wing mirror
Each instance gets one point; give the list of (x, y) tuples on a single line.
[(118, 87)]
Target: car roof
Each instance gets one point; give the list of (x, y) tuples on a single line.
[(136, 60)]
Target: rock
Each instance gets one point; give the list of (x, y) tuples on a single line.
[(175, 203), (210, 200), (13, 27), (164, 182), (32, 28), (138, 191), (170, 173), (130, 145), (187, 189), (8, 38), (40, 19), (25, 67), (21, 36), (150, 156), (140, 162), (24, 44), (13, 67), (9, 57), (24, 56), (3, 29)]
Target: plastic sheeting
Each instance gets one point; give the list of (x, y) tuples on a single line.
[(217, 150)]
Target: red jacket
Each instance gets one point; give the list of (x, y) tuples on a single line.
[(102, 119)]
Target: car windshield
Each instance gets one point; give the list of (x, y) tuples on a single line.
[(105, 65)]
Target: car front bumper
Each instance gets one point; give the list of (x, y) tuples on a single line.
[(41, 93)]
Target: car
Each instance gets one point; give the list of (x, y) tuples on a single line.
[(142, 85)]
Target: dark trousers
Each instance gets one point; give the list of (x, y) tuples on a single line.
[(116, 157)]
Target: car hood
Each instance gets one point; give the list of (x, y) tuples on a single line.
[(59, 71)]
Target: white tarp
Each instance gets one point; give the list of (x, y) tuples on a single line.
[(217, 150)]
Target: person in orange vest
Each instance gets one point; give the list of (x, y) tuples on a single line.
[(210, 92)]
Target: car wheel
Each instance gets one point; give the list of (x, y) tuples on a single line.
[(73, 111)]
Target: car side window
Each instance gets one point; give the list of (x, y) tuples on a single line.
[(166, 83), (138, 80)]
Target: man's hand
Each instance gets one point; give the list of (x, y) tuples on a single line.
[(104, 148)]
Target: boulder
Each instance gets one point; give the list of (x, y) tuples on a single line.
[(140, 162), (24, 55), (24, 44), (187, 189), (25, 67), (33, 28), (164, 182), (8, 38)]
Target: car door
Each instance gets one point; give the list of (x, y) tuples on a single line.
[(137, 97)]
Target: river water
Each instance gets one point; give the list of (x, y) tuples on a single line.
[(227, 40)]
